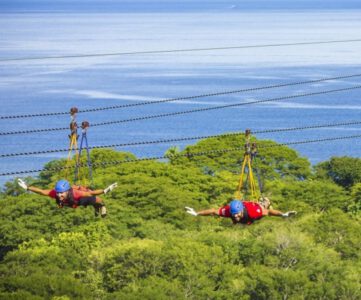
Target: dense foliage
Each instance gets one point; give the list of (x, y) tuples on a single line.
[(149, 248)]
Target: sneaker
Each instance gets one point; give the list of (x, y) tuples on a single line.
[(103, 211)]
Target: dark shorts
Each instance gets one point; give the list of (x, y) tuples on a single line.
[(85, 201)]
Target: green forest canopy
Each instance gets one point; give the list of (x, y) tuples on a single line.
[(149, 248)]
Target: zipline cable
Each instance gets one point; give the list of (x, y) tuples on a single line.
[(177, 50), (165, 141), (187, 111), (181, 98), (194, 154)]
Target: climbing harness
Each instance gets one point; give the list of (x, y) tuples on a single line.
[(83, 142), (247, 179), (74, 152), (73, 141), (254, 152)]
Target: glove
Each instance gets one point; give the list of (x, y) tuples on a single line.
[(191, 211), (110, 188), (289, 213), (22, 184)]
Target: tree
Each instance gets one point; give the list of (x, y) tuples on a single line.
[(273, 160), (345, 171), (355, 206), (148, 247)]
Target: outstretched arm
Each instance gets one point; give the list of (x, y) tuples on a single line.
[(100, 191), (36, 190), (39, 191), (106, 190), (207, 212), (96, 192), (277, 213)]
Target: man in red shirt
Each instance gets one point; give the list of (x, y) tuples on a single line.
[(244, 212), (73, 196)]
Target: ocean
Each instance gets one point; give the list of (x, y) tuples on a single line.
[(53, 85)]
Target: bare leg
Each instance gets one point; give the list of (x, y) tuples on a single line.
[(99, 201)]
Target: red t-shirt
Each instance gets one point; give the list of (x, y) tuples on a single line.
[(254, 210), (77, 194), (225, 211)]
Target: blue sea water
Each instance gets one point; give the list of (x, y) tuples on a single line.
[(154, 6), (39, 86)]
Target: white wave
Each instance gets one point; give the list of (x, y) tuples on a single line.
[(93, 94), (113, 96), (105, 95)]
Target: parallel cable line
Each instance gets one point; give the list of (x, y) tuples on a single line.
[(165, 141), (187, 111), (181, 98), (192, 154), (177, 50)]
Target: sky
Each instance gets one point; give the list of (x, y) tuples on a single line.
[(17, 6)]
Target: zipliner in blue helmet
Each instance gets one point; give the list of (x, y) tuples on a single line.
[(236, 207), (73, 196), (62, 186), (243, 212)]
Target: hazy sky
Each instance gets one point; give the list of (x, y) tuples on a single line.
[(169, 5)]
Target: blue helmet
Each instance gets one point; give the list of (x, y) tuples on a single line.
[(62, 186), (236, 207)]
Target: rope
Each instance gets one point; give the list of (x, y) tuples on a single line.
[(176, 50), (84, 140), (189, 154), (180, 98), (186, 111), (165, 141)]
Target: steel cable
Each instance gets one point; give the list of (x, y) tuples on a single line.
[(186, 111), (164, 141), (194, 154), (181, 98), (176, 50)]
